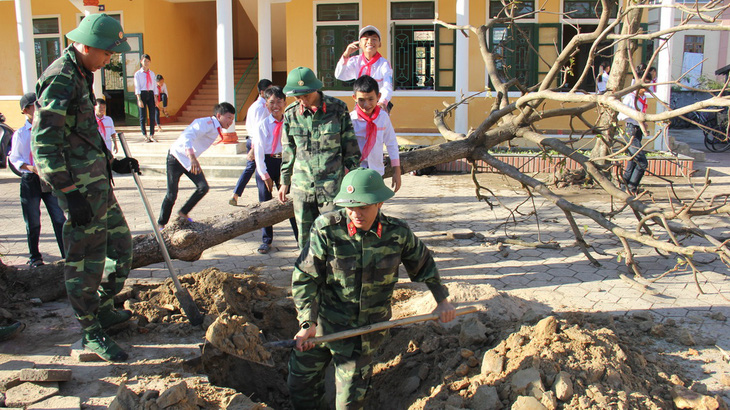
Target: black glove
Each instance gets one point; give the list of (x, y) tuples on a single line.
[(79, 210), (125, 165)]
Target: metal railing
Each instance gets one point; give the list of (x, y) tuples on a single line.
[(239, 85)]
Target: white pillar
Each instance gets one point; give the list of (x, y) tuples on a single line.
[(224, 31), (461, 117), (26, 46), (664, 68), (264, 17)]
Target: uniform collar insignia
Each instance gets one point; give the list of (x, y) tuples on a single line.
[(352, 230)]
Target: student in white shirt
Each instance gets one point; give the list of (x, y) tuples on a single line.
[(183, 159), (373, 129), (255, 114), (32, 188), (636, 167), (602, 78), (145, 88), (161, 100), (368, 62), (106, 126), (267, 154)]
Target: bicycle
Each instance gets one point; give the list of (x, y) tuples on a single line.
[(714, 126)]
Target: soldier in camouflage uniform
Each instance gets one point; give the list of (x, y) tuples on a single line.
[(318, 143), (344, 279), (71, 156)]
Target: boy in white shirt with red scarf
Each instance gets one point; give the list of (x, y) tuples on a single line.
[(373, 129), (368, 62)]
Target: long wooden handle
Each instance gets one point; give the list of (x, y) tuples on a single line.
[(371, 328)]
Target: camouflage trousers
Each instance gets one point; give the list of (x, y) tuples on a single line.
[(305, 212), (98, 256), (307, 371)]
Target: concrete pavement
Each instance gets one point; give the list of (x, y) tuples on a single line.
[(555, 279)]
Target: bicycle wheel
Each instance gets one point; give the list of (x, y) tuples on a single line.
[(721, 142)]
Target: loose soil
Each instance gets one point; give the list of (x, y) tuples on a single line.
[(505, 353)]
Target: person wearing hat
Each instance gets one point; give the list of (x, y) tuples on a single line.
[(369, 62), (70, 154), (344, 279), (32, 189), (318, 144)]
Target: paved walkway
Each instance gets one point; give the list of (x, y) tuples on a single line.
[(552, 279)]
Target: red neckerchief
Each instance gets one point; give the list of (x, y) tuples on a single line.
[(219, 139), (368, 64), (100, 123), (642, 100), (148, 82), (277, 134), (352, 229), (371, 130)]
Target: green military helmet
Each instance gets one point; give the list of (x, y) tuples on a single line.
[(301, 81), (362, 187), (100, 31)]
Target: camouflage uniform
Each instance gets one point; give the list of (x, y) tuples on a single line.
[(68, 150), (317, 147), (344, 279)]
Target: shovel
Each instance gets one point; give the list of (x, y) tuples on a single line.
[(368, 329), (183, 296)]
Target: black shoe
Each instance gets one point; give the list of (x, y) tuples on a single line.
[(34, 263), (99, 342)]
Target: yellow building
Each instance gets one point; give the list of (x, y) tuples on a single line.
[(195, 43)]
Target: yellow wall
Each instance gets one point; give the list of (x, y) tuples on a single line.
[(9, 64), (11, 110)]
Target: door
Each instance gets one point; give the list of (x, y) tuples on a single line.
[(130, 64)]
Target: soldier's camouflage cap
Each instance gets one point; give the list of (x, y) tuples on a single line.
[(100, 31), (362, 187), (301, 81)]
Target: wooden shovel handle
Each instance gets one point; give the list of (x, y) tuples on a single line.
[(386, 325)]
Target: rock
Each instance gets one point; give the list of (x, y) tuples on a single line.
[(150, 395), (486, 398), (35, 301), (698, 387), (546, 328), (492, 362), (644, 315), (472, 361), (466, 353), (725, 380), (686, 338), (645, 326), (527, 403), (30, 392), (125, 399), (563, 387), (718, 316), (527, 382), (658, 330), (473, 333), (58, 403), (460, 233), (549, 400), (411, 384), (45, 375), (430, 345), (423, 371), (242, 402), (462, 370), (455, 401), (174, 394), (10, 380), (685, 398)]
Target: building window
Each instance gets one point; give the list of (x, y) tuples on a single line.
[(586, 9), (423, 54), (694, 44), (47, 42), (497, 9), (337, 26), (514, 56)]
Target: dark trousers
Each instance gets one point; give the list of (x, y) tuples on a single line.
[(163, 103), (148, 99), (636, 167), (31, 195), (247, 173), (273, 166), (174, 171)]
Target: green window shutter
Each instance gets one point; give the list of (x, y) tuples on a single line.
[(514, 57), (331, 43)]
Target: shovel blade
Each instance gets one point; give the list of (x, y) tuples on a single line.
[(189, 307)]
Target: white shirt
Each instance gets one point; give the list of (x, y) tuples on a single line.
[(601, 82), (20, 144), (630, 101), (262, 143), (140, 82), (256, 113), (161, 90), (385, 136), (381, 71), (107, 131), (198, 137)]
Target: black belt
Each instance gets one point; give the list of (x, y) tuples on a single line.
[(274, 155), (146, 91)]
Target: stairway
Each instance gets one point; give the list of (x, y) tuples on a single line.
[(206, 96)]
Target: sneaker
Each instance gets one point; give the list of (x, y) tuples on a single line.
[(110, 317), (35, 263), (99, 342), (233, 202), (10, 331)]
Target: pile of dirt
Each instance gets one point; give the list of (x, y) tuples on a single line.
[(237, 337)]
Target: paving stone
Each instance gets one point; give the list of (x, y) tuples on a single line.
[(30, 392), (57, 403), (80, 354), (45, 375)]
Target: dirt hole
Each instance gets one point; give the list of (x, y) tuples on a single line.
[(510, 352)]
